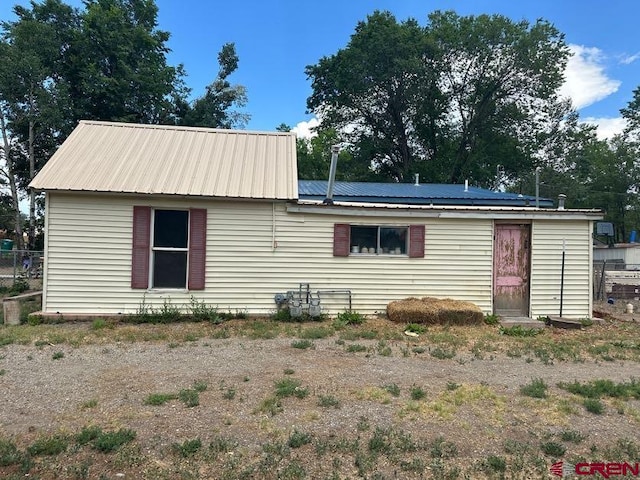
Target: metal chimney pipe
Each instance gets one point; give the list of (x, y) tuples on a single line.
[(561, 198), (538, 187), (417, 177), (335, 149), (466, 185)]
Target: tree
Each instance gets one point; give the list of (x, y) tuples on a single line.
[(106, 62), (213, 109), (451, 100)]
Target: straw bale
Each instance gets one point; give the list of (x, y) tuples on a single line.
[(431, 310)]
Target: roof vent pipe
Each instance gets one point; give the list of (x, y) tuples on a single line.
[(466, 185), (417, 176), (335, 149), (561, 198)]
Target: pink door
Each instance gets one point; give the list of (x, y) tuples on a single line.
[(511, 270)]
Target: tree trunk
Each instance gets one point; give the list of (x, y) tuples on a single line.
[(32, 194), (10, 174)]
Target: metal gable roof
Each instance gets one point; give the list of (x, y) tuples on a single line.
[(407, 193), (172, 160)]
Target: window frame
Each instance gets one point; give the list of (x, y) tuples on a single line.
[(141, 255), (342, 240), (378, 247), (153, 249)]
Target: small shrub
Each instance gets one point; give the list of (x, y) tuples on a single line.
[(519, 331), (571, 436), (199, 386), (229, 393), (270, 405), (201, 311), (89, 404), (355, 348), (586, 322), (99, 324), (328, 401), (393, 389), (2, 372), (88, 435), (384, 350), (52, 445), (109, 441), (289, 371), (452, 386), (290, 387), (491, 319), (222, 445), (316, 333), (58, 355), (189, 397), (282, 315), (156, 399), (350, 317), (298, 439), (440, 448), (188, 448), (536, 389), (302, 344), (9, 453), (442, 353), (593, 405), (553, 449), (415, 328), (495, 464), (417, 393)]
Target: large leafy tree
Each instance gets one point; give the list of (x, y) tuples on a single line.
[(104, 62), (451, 100)]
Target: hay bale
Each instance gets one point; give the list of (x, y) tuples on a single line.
[(430, 310)]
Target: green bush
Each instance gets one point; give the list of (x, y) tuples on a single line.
[(157, 399), (350, 317), (109, 441), (553, 449), (593, 405), (52, 445), (290, 387), (188, 448), (189, 397), (298, 439), (302, 344), (536, 389), (491, 319)]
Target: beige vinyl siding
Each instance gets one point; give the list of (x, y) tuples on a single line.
[(546, 266), (89, 258)]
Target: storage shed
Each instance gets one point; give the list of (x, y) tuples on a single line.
[(141, 214)]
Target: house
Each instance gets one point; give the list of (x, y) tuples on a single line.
[(143, 215)]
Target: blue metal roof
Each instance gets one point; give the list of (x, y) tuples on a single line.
[(407, 193)]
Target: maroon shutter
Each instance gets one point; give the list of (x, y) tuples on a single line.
[(141, 243), (341, 233), (197, 248), (416, 241)]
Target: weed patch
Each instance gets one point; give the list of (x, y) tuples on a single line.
[(535, 389), (290, 387), (302, 344)]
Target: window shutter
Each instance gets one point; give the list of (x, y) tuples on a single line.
[(141, 244), (416, 241), (341, 233), (197, 248)]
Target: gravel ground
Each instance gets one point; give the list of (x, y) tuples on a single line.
[(106, 385)]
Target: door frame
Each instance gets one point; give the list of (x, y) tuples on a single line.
[(527, 298)]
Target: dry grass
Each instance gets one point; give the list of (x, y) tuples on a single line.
[(433, 311)]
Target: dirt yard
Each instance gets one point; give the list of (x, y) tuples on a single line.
[(226, 401)]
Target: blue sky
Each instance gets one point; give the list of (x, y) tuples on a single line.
[(275, 40)]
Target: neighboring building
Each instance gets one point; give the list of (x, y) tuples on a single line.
[(148, 214)]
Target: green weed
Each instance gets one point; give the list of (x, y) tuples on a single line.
[(156, 399), (188, 448), (536, 389), (302, 344)]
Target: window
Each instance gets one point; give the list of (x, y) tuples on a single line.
[(378, 240), (168, 248)]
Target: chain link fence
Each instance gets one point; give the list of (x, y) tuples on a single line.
[(21, 265)]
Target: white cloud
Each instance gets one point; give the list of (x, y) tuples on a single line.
[(629, 59), (607, 127), (586, 81), (305, 129)]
